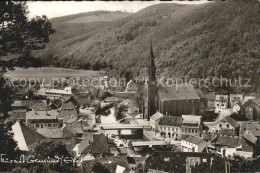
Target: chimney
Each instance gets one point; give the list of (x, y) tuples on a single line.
[(81, 123)]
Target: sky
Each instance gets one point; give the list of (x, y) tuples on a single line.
[(55, 9)]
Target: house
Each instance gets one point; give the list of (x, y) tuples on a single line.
[(81, 126), (43, 119), (250, 133), (82, 148), (221, 103), (57, 93), (251, 109), (69, 136), (95, 145), (224, 123), (81, 95), (25, 136), (131, 87), (66, 135), (191, 125), (170, 127), (226, 145), (154, 120), (69, 119), (67, 108), (24, 104), (234, 98), (193, 144)]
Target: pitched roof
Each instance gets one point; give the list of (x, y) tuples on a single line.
[(229, 141), (232, 122), (193, 139), (84, 145), (70, 118), (170, 121), (191, 119), (41, 106), (253, 127), (25, 136), (81, 125), (250, 137), (66, 109), (51, 114), (24, 103), (183, 92), (99, 145), (70, 129), (156, 116), (51, 133), (255, 102), (18, 114)]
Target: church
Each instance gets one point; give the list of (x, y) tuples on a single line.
[(169, 100)]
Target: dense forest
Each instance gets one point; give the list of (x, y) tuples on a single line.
[(208, 40)]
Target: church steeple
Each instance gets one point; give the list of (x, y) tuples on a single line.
[(152, 68)]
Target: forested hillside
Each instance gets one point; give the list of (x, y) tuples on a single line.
[(212, 39)]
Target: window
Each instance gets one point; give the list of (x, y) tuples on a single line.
[(173, 129), (192, 131), (168, 128), (220, 125), (227, 125), (164, 128)]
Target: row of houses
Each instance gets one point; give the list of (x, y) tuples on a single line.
[(247, 105), (246, 143), (175, 127)]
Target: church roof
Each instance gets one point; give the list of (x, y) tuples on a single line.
[(182, 92)]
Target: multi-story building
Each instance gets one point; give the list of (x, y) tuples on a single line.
[(193, 144), (66, 92), (234, 98), (170, 127), (224, 123), (191, 125), (221, 103), (251, 109), (43, 119)]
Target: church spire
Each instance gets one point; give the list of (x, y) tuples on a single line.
[(152, 68)]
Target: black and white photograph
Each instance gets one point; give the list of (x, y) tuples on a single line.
[(130, 86)]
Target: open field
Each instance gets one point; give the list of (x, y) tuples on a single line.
[(51, 72), (99, 17)]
